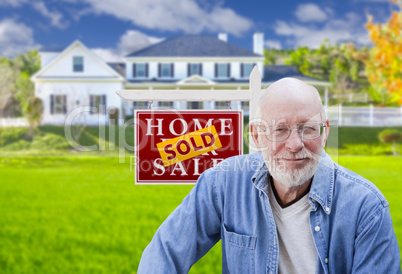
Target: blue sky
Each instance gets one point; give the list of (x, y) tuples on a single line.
[(114, 28)]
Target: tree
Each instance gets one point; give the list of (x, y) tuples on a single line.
[(8, 76), (384, 63), (34, 113), (391, 136)]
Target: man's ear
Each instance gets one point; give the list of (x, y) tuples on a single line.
[(254, 135)]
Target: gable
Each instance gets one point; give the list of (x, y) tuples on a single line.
[(62, 65), (196, 80)]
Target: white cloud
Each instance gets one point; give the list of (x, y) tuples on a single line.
[(174, 15), (349, 29), (12, 3), (273, 44), (15, 38), (54, 16), (108, 55), (310, 13), (134, 40), (129, 42)]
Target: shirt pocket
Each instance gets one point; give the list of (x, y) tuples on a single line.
[(239, 252)]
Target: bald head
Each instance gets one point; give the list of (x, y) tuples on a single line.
[(289, 93)]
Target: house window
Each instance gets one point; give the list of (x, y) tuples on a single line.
[(221, 105), (58, 104), (140, 105), (165, 70), (222, 70), (165, 104), (245, 69), (195, 105), (78, 64), (194, 69), (99, 103), (245, 106), (140, 70)]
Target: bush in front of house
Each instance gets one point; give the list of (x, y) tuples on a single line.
[(49, 141), (391, 136)]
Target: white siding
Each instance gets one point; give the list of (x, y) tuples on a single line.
[(77, 91)]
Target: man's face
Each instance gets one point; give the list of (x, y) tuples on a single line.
[(293, 161)]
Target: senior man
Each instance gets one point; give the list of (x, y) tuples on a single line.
[(287, 209)]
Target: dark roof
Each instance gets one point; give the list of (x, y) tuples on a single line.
[(120, 68), (276, 72), (193, 46)]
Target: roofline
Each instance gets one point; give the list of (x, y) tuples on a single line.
[(177, 36), (194, 58), (76, 42)]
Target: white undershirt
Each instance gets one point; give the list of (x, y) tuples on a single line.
[(297, 252)]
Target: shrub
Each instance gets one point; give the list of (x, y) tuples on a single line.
[(49, 141), (11, 134), (16, 146), (391, 136)]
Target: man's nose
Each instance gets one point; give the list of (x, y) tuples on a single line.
[(294, 143)]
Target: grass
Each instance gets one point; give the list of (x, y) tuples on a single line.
[(83, 214)]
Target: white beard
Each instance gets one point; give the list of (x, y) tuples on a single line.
[(296, 176)]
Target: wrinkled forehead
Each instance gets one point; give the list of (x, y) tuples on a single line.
[(292, 113)]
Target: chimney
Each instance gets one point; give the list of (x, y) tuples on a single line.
[(258, 43), (223, 37)]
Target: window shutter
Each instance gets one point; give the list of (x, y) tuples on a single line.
[(51, 104), (104, 104), (64, 104), (134, 70), (146, 70), (216, 70), (242, 70), (188, 69), (200, 69), (228, 70), (172, 70), (91, 103), (159, 70)]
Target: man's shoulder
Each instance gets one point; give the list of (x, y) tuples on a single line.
[(357, 187)]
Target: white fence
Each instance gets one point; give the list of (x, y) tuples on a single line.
[(13, 122), (339, 115), (366, 116)]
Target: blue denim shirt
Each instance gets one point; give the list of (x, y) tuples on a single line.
[(349, 220)]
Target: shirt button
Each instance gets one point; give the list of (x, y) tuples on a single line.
[(313, 200), (326, 260), (317, 228), (327, 209)]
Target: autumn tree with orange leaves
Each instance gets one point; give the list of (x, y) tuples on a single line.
[(384, 61)]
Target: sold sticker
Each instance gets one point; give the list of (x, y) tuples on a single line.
[(187, 146)]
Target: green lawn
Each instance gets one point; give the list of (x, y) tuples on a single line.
[(83, 214)]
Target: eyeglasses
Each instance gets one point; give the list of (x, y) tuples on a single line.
[(306, 131)]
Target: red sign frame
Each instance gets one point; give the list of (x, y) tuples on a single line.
[(151, 127)]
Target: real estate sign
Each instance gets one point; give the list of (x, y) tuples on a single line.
[(175, 147)]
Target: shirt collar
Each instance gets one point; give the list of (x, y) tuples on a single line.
[(322, 186)]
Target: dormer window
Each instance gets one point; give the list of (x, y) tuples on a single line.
[(78, 64), (222, 70), (194, 69), (140, 70)]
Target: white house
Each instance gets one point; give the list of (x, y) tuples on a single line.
[(76, 77), (73, 78)]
